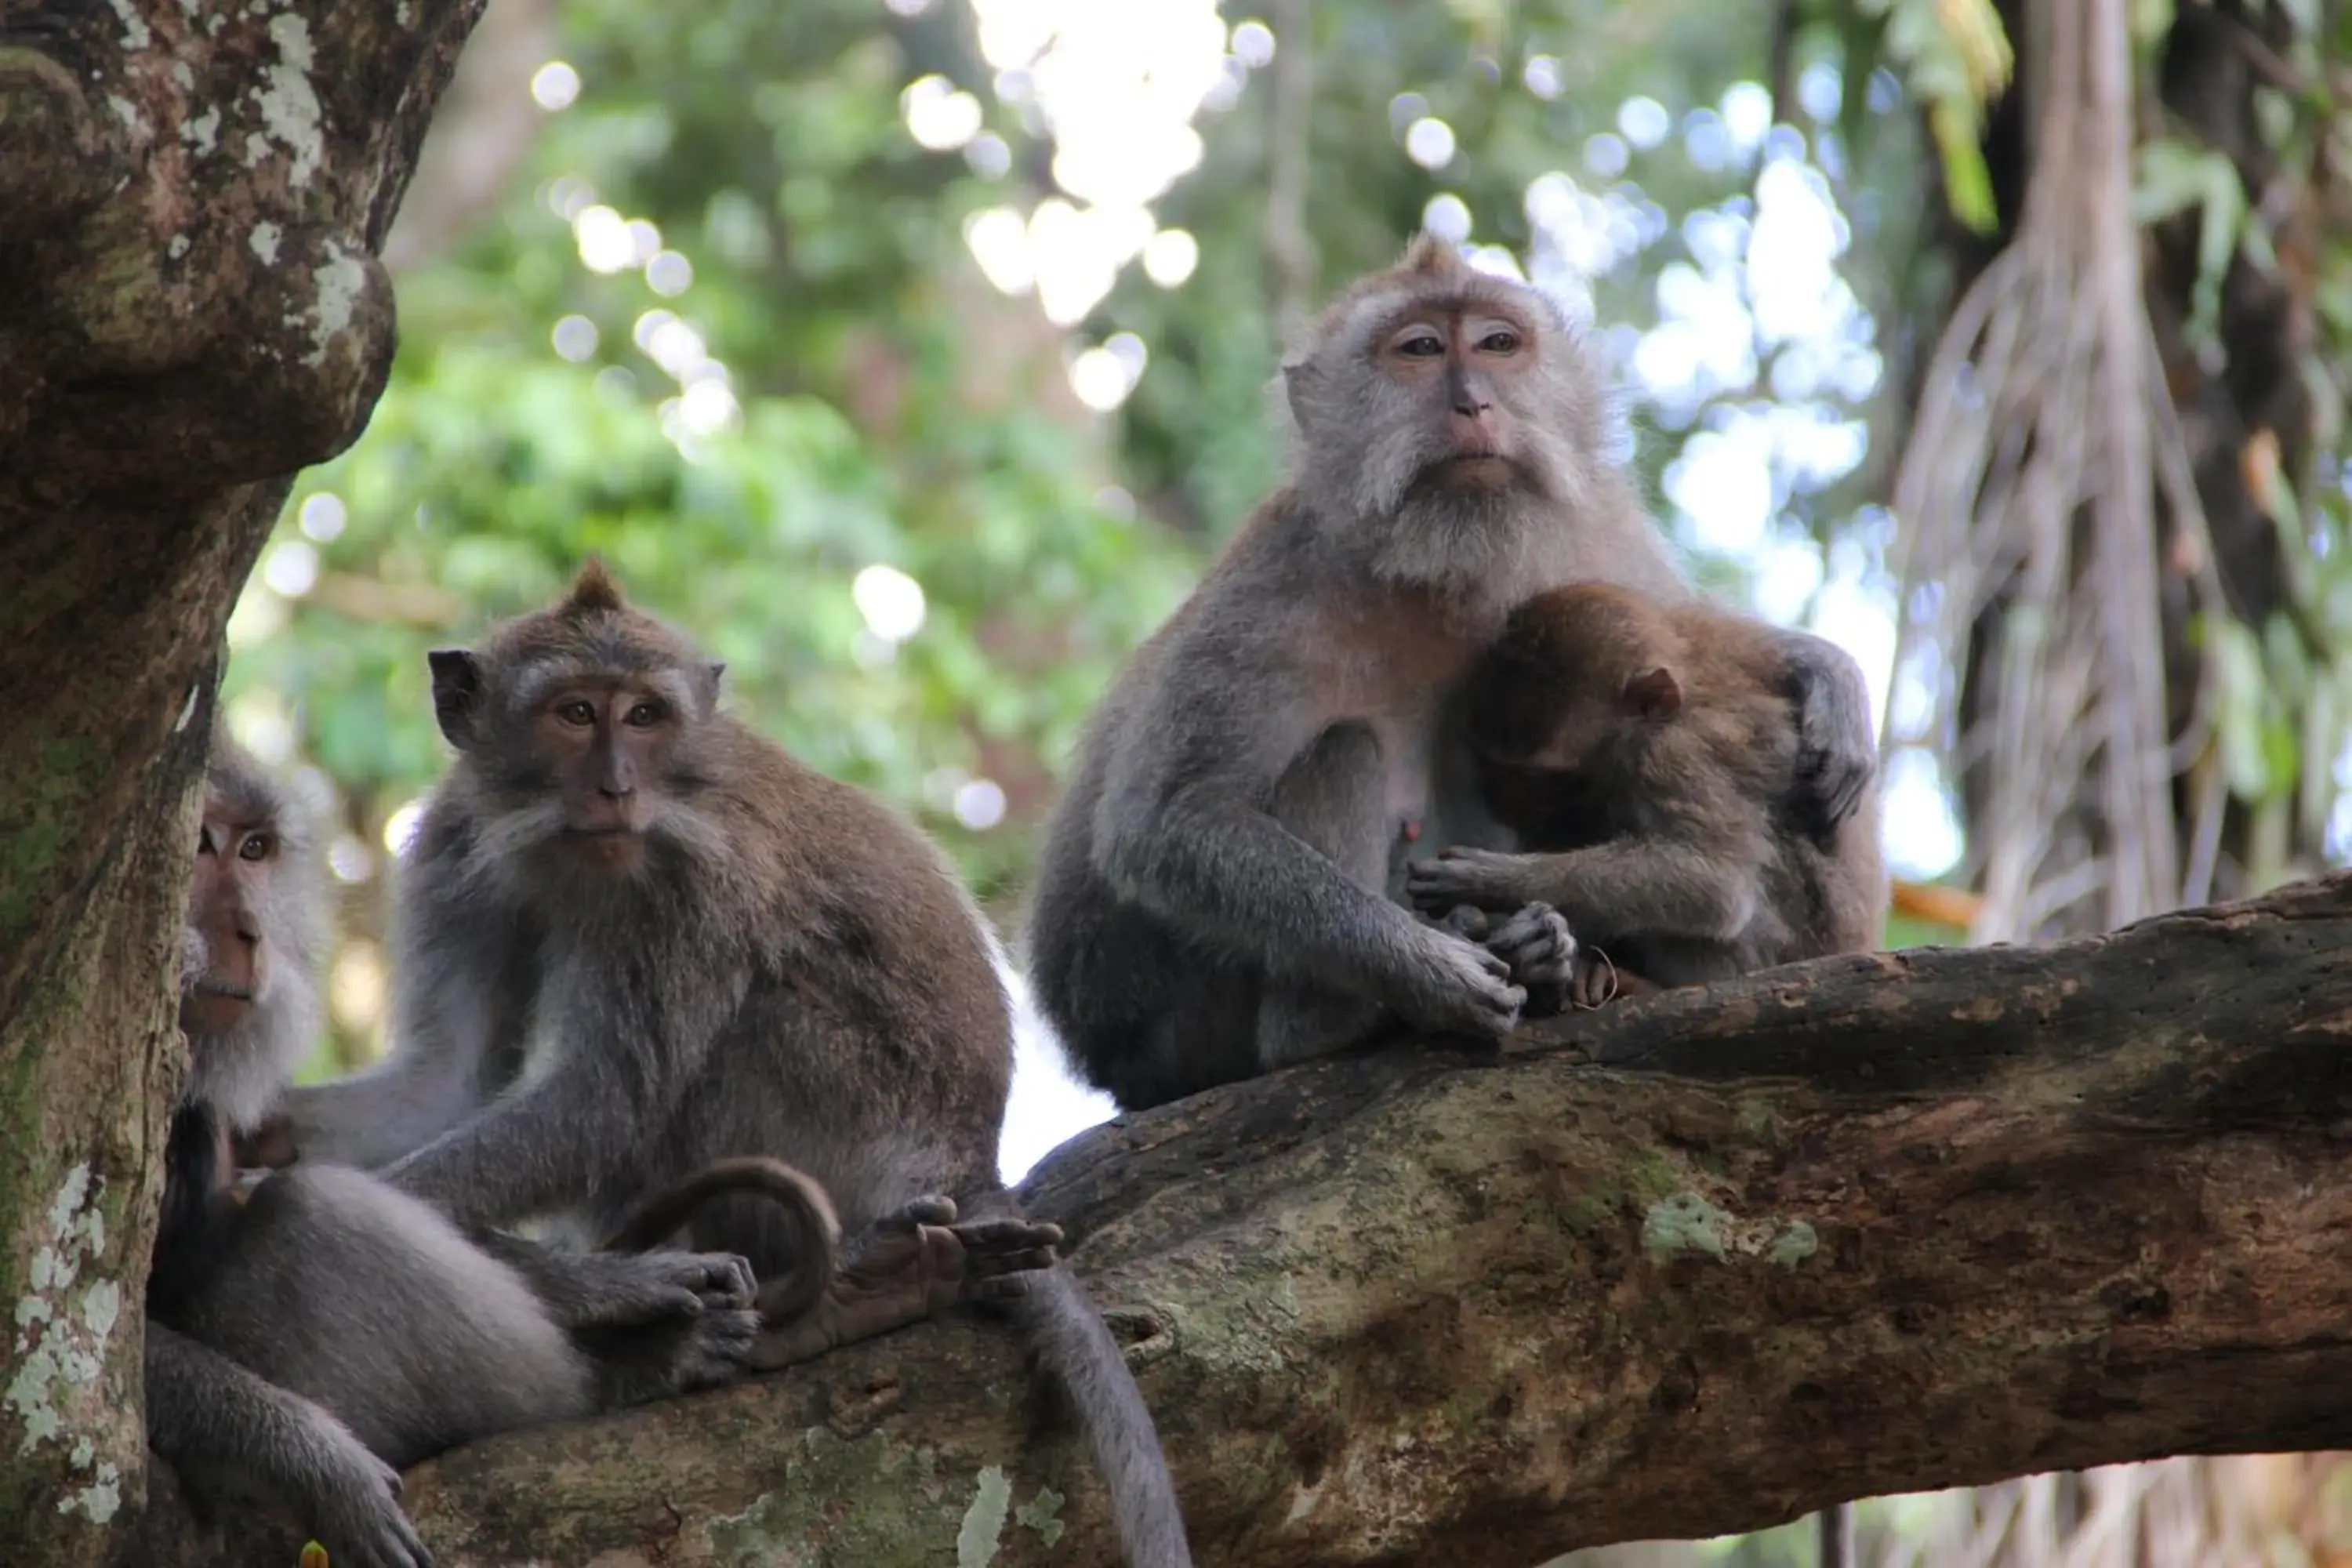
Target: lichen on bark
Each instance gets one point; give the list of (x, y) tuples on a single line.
[(161, 378)]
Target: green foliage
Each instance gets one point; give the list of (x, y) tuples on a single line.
[(492, 467), (1955, 56)]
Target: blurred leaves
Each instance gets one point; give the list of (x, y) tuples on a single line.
[(1956, 57)]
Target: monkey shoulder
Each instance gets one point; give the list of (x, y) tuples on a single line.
[(833, 864)]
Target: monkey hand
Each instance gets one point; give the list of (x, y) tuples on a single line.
[(1536, 944), (1477, 877), (630, 1289), (354, 1507), (907, 1267), (1458, 987), (715, 1348), (1836, 753)]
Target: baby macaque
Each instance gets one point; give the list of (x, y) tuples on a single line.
[(1647, 754)]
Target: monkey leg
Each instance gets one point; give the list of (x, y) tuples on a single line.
[(1334, 796), (233, 1436), (907, 1267)]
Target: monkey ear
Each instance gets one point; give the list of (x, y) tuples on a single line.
[(1297, 383), (1654, 693), (710, 674), (457, 687)]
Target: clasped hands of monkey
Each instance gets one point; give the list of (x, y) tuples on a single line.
[(1442, 725)]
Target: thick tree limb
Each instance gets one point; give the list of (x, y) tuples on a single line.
[(1699, 1263), (191, 197)]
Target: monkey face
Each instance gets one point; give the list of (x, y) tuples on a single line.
[(608, 739), (228, 968), (1457, 364)]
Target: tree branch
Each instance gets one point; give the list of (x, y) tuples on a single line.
[(1697, 1263)]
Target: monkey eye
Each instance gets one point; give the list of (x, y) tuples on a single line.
[(257, 847), (1501, 340), (1421, 344), (643, 716), (577, 711)]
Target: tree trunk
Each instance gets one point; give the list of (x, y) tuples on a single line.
[(2210, 67), (191, 202), (1696, 1264)]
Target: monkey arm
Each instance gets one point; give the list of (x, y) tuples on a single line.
[(378, 1114), (1222, 871), (1837, 756), (537, 1150), (1703, 890), (620, 1289), (220, 1425)]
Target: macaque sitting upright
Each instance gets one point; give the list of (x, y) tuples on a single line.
[(1645, 753)]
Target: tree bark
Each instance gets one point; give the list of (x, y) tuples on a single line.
[(1699, 1263), (191, 199)]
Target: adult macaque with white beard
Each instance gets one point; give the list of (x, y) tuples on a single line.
[(1218, 891)]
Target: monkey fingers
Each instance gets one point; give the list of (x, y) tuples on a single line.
[(1457, 987), (717, 1347), (1000, 1254), (1536, 944), (1837, 756), (1453, 877), (907, 1265), (624, 1290), (1465, 920), (356, 1513)]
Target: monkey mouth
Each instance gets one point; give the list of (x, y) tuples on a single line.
[(222, 990), (1486, 470)]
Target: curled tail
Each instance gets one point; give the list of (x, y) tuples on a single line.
[(1065, 1330), (813, 1228)]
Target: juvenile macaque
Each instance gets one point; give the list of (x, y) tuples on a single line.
[(1648, 751), (634, 937), (1220, 888)]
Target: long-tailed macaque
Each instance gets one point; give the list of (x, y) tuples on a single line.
[(307, 1341), (634, 936), (1647, 751), (1220, 888)]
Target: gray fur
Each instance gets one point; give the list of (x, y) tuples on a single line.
[(339, 1330), (780, 965), (1191, 893)]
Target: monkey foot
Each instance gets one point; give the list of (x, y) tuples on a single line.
[(908, 1267)]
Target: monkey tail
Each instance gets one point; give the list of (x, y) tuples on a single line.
[(814, 1229), (1065, 1330)]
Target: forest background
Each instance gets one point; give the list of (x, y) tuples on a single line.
[(914, 355)]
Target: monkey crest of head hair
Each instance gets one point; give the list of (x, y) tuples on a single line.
[(1361, 446), (596, 589), (593, 630), (240, 1073)]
